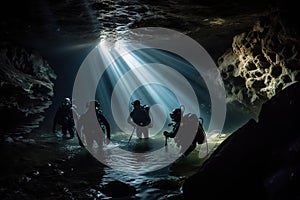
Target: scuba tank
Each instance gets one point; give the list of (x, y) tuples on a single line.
[(140, 114)]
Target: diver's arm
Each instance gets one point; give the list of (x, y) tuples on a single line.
[(106, 124), (173, 132), (107, 128), (75, 115), (129, 121), (79, 124)]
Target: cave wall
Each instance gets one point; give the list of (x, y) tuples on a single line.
[(261, 62), (260, 159), (26, 85)]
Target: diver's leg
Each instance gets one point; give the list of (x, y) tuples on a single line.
[(146, 132), (89, 139), (190, 149), (139, 132), (64, 131), (71, 130), (79, 139)]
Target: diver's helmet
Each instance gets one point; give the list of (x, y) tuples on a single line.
[(176, 115), (136, 103), (67, 103), (94, 104)]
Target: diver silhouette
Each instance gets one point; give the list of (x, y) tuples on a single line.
[(140, 119), (93, 130), (66, 117), (185, 126)]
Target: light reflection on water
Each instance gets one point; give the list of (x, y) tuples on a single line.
[(151, 156), (139, 156), (146, 181), (142, 156), (177, 171)]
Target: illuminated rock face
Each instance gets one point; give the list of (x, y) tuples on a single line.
[(26, 89), (261, 63)]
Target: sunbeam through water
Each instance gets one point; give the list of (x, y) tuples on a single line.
[(116, 73)]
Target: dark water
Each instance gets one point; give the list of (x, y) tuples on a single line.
[(44, 166)]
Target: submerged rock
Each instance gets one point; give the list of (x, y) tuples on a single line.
[(259, 160), (118, 189)]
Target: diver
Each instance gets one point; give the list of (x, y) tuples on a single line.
[(140, 119), (183, 127), (92, 131), (66, 117)]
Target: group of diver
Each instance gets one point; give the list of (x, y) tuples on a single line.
[(70, 122)]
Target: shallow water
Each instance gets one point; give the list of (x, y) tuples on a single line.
[(49, 167), (143, 156)]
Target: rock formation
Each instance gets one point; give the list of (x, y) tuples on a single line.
[(261, 62), (259, 160), (26, 89)]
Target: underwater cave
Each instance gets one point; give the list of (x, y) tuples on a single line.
[(231, 66)]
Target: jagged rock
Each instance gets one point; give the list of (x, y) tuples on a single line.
[(26, 89), (259, 160), (261, 62), (118, 189), (166, 184)]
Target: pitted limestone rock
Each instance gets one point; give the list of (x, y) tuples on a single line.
[(261, 63)]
